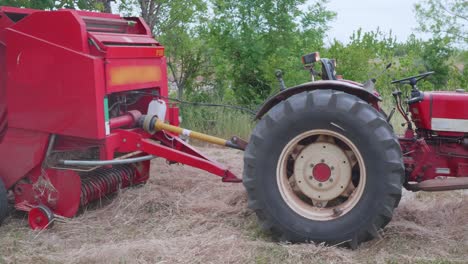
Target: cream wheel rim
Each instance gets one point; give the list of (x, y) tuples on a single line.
[(315, 175)]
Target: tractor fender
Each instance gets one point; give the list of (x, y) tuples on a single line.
[(341, 85)]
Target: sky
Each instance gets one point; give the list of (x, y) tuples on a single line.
[(395, 15)]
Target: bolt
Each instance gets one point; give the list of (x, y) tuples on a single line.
[(332, 168), (311, 165), (322, 160), (320, 184), (330, 180), (310, 177)]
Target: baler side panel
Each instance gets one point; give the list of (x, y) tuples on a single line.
[(20, 152), (54, 89), (4, 23), (3, 100), (140, 28), (63, 28)]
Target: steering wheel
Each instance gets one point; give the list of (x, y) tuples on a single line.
[(413, 79)]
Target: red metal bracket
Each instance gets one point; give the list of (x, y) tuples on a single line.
[(421, 145), (185, 154)]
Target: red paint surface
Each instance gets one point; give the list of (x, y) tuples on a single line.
[(424, 156), (450, 105), (56, 71), (21, 151)]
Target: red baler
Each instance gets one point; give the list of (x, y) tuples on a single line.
[(86, 98)]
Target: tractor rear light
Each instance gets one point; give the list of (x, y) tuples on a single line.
[(310, 58)]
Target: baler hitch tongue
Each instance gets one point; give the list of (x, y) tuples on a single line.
[(152, 124)]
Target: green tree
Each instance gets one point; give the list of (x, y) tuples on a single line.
[(178, 25), (252, 38), (187, 59), (444, 18), (365, 56), (163, 15)]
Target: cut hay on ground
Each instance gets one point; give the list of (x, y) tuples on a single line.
[(184, 215)]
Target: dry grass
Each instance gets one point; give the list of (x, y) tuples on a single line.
[(184, 215)]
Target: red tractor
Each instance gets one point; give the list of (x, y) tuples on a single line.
[(323, 163)]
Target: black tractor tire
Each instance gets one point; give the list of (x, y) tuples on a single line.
[(349, 116), (4, 209), (385, 116)]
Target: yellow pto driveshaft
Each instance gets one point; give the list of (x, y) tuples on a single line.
[(151, 124)]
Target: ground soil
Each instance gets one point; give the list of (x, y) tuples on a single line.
[(184, 215)]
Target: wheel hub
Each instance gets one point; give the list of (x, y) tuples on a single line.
[(322, 171), (40, 217)]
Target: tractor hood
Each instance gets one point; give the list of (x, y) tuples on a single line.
[(441, 111)]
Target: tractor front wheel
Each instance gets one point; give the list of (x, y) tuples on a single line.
[(323, 166)]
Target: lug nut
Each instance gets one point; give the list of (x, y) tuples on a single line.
[(330, 180), (332, 168), (320, 184)]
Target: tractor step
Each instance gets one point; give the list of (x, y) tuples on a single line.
[(435, 185)]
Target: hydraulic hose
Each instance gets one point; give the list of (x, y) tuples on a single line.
[(105, 162)]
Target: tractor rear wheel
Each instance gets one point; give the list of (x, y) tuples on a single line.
[(3, 202), (323, 166)]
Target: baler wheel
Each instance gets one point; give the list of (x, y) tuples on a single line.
[(323, 166), (40, 217), (3, 202)]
